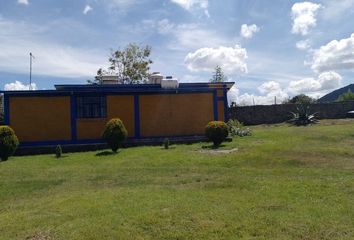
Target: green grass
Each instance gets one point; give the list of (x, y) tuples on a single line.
[(283, 183)]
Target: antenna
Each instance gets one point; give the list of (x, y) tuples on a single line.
[(31, 57)]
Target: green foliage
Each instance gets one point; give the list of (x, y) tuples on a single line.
[(1, 117), (302, 116), (218, 75), (58, 151), (237, 129), (300, 99), (216, 131), (166, 143), (283, 183), (131, 64), (8, 142), (348, 96), (115, 133)]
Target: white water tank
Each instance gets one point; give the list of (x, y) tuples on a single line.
[(155, 78), (169, 83)]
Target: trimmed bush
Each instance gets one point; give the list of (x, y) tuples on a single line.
[(115, 133), (216, 131), (166, 143), (8, 142), (58, 151)]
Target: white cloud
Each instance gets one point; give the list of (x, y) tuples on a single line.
[(271, 92), (17, 39), (23, 2), (303, 44), (87, 9), (304, 17), (335, 55), (19, 86), (325, 81), (190, 5), (231, 59), (247, 31)]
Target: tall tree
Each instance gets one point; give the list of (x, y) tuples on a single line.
[(300, 99), (218, 75), (131, 64)]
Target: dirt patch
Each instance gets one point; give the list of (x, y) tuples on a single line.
[(40, 236), (218, 151)]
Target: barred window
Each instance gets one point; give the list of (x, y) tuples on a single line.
[(91, 107)]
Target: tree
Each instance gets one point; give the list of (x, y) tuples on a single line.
[(218, 75), (131, 64), (348, 96), (8, 142), (300, 99)]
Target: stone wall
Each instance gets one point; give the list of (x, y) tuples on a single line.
[(253, 115)]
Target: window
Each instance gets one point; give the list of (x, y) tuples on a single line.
[(91, 107)]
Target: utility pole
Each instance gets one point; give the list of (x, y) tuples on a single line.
[(31, 57)]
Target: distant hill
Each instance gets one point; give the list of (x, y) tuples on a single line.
[(333, 96)]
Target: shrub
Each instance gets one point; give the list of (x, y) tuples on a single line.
[(237, 129), (58, 151), (302, 116), (114, 133), (8, 142), (166, 143), (216, 131)]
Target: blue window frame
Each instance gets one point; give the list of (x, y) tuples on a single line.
[(91, 107)]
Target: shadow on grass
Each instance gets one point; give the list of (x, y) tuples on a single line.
[(169, 148), (212, 146), (106, 153), (62, 156)]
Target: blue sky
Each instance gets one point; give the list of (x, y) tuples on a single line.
[(269, 48)]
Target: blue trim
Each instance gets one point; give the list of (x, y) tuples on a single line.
[(100, 141), (6, 110), (226, 106), (221, 98), (136, 86), (215, 105), (137, 116), (40, 93), (60, 142), (73, 115), (116, 91)]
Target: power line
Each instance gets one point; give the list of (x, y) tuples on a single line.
[(30, 83)]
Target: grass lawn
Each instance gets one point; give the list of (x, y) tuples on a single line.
[(282, 183)]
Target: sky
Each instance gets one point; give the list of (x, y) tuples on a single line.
[(272, 49)]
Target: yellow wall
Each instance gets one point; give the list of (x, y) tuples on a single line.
[(117, 106), (175, 114), (40, 118), (90, 128), (123, 108), (221, 111)]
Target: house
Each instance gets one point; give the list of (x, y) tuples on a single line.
[(77, 114)]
